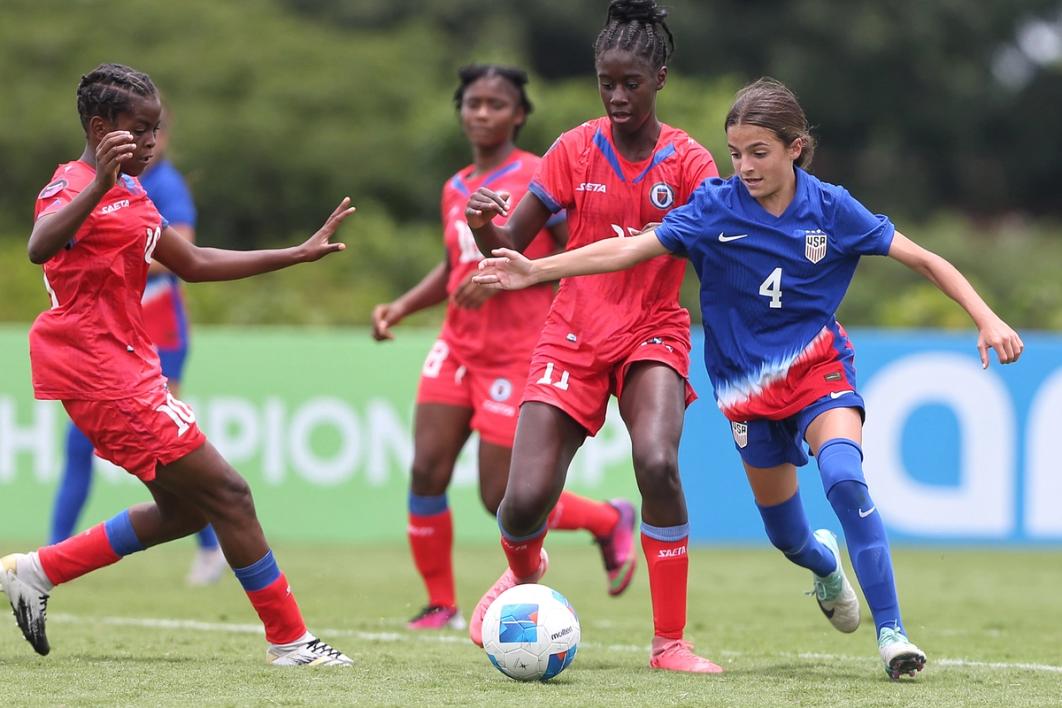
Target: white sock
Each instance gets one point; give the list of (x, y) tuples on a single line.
[(304, 639)]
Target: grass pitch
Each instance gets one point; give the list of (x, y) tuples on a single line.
[(990, 622)]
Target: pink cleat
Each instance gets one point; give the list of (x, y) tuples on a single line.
[(506, 581), (677, 655), (617, 549), (437, 617)]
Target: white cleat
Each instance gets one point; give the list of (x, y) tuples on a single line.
[(836, 598), (307, 651), (26, 587), (898, 654), (207, 568)]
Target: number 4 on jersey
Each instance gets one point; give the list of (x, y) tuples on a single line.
[(772, 288)]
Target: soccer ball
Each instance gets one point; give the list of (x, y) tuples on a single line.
[(531, 633)]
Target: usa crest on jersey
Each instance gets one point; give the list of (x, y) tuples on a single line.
[(741, 433), (815, 245)]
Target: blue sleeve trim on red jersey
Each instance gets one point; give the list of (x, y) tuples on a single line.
[(543, 196), (606, 149), (501, 172), (661, 155), (459, 184)]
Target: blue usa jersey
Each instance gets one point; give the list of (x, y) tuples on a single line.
[(770, 288)]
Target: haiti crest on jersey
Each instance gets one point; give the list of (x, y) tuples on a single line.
[(662, 195), (815, 245)]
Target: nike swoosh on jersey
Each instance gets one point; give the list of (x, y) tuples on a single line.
[(723, 238)]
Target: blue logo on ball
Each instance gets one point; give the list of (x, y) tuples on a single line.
[(519, 623)]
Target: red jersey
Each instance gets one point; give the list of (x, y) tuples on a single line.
[(92, 345), (607, 196), (503, 329)]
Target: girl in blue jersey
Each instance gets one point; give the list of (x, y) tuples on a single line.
[(775, 250)]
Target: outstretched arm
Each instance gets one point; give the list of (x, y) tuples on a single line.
[(511, 271), (194, 264), (993, 333), (431, 290)]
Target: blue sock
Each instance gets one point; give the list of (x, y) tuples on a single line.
[(120, 534), (787, 527), (422, 505), (74, 486), (260, 574), (207, 539), (864, 533)]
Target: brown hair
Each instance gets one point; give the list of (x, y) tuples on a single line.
[(769, 104)]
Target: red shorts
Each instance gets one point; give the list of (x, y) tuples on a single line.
[(493, 393), (578, 376), (138, 433)]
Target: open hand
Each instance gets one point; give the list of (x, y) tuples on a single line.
[(115, 148), (484, 205), (999, 336), (319, 245), (470, 295), (508, 270)]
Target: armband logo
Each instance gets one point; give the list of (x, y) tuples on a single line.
[(52, 189)]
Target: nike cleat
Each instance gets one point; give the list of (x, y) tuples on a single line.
[(898, 654), (437, 617), (834, 593), (27, 588), (677, 655), (617, 549), (308, 651), (506, 581)]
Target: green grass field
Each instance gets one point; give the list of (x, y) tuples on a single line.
[(990, 622)]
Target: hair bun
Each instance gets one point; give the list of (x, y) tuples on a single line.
[(636, 11)]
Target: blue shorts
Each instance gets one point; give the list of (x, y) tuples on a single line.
[(769, 443), (173, 363)]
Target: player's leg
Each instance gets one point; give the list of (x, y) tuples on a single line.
[(439, 433), (209, 483), (28, 578), (835, 436), (547, 439), (74, 485), (652, 403), (610, 523)]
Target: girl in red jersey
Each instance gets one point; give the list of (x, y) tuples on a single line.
[(95, 234), (623, 334), (473, 377)]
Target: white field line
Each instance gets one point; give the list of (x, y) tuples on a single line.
[(234, 628)]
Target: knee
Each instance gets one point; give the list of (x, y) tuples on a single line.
[(523, 512), (232, 499), (840, 460), (428, 477), (656, 467)]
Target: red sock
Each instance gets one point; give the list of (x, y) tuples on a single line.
[(431, 538), (77, 555), (279, 612), (668, 570), (575, 512), (525, 557)]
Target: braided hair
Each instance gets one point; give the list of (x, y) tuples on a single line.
[(472, 73), (108, 91), (637, 26)]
